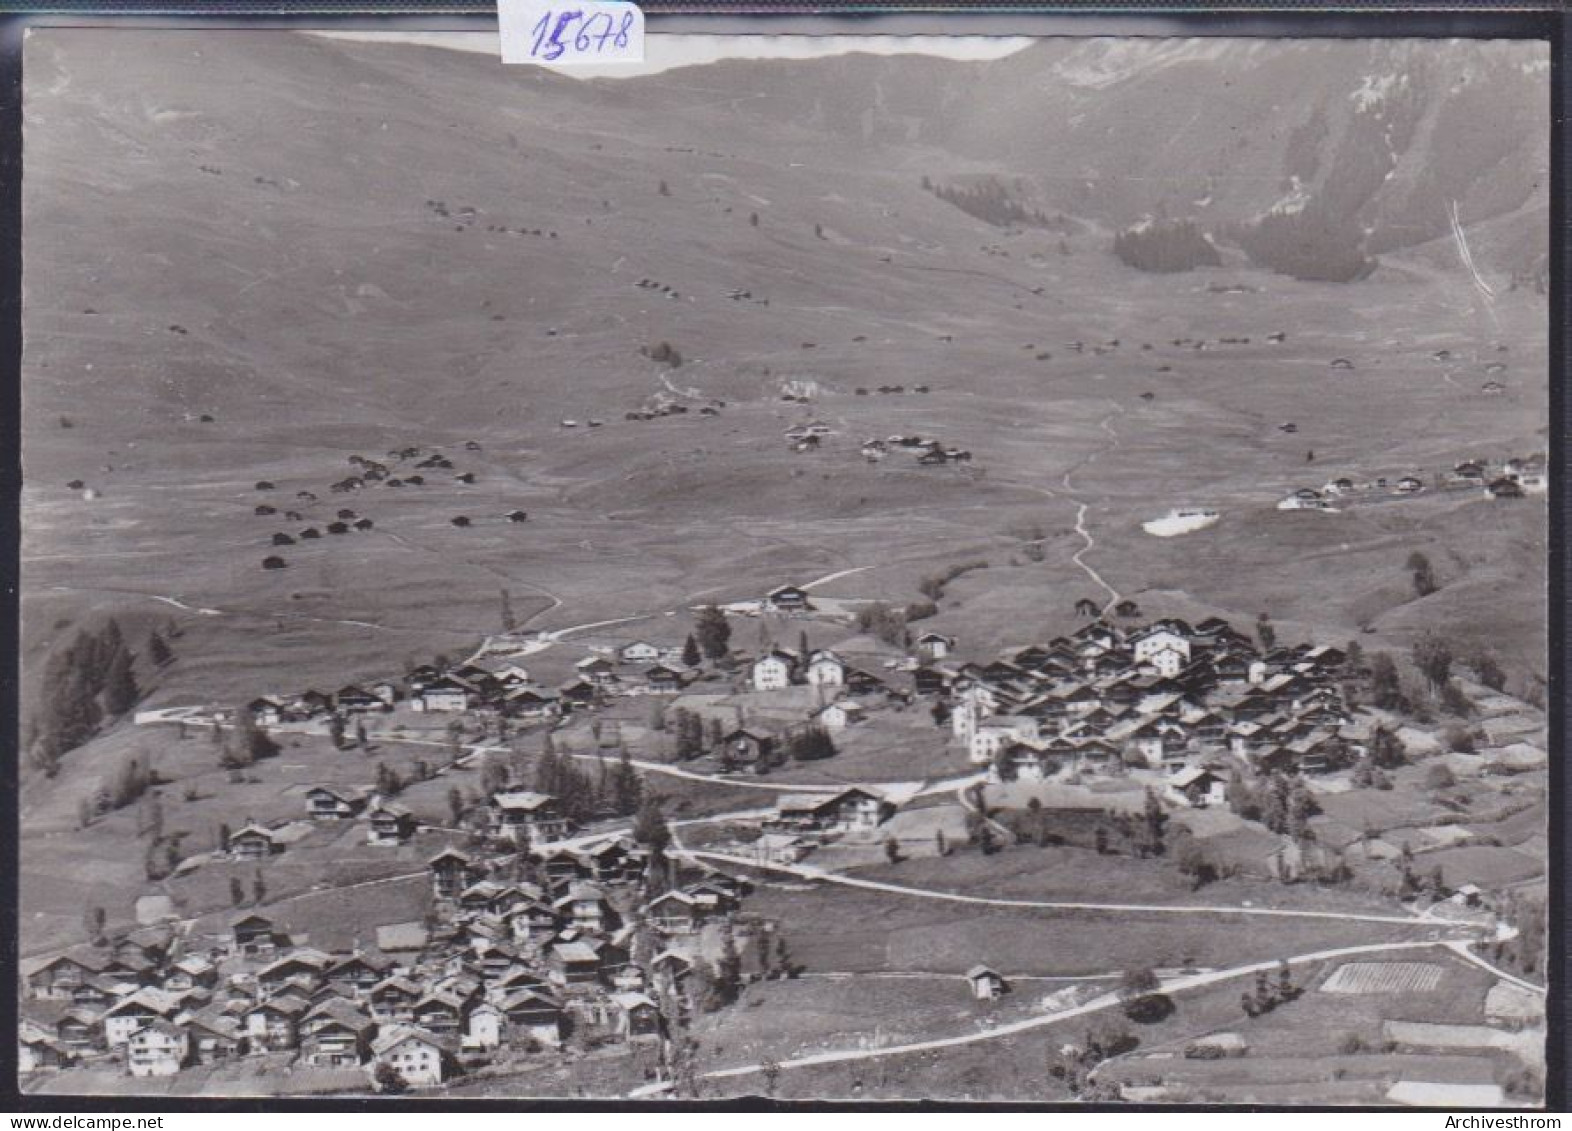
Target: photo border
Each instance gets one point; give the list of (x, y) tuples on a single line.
[(1468, 19)]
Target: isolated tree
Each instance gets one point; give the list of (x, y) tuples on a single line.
[(1487, 670), (493, 776), (1433, 657), (626, 790), (252, 743), (1265, 632), (223, 837), (456, 804), (691, 656), (1265, 994), (712, 632), (1405, 869), (783, 963), (688, 734), (158, 649), (388, 782), (1422, 574), (892, 850), (129, 783), (1455, 701), (728, 967), (94, 919), (753, 219), (336, 730), (664, 189), (389, 1080), (1194, 863), (360, 733), (649, 827), (237, 891), (940, 845), (1140, 991), (984, 838), (1386, 689), (810, 744), (1154, 819)]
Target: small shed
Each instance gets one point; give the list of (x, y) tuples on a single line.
[(986, 984)]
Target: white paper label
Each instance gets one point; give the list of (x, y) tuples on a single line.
[(569, 33)]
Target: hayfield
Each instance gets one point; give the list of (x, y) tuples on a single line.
[(855, 931)]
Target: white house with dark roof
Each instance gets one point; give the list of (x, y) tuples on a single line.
[(157, 1049), (773, 671), (994, 733), (825, 669), (421, 1059)]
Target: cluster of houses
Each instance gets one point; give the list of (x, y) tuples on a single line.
[(1511, 479), (502, 964), (1168, 695), (929, 452), (508, 690), (664, 406)]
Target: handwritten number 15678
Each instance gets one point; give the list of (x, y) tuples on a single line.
[(592, 35)]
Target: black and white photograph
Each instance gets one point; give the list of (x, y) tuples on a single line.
[(851, 568)]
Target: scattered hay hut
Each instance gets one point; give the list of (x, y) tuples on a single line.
[(264, 485), (311, 532), (75, 485), (517, 516), (459, 520), (282, 539), (338, 528), (363, 524), (273, 561), (346, 514), (264, 509)]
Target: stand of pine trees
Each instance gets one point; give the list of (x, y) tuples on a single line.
[(91, 679), (1165, 247), (583, 796)]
